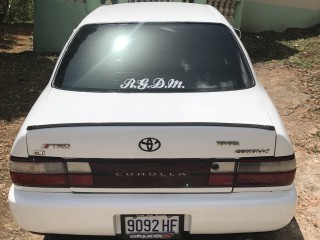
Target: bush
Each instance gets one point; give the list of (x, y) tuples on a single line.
[(19, 11)]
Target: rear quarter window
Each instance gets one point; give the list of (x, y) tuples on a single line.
[(154, 57)]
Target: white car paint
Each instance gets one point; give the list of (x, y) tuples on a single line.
[(177, 141), (61, 211), (244, 107), (208, 213), (149, 13)]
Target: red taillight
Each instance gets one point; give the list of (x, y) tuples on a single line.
[(80, 180), (245, 172), (49, 173), (39, 180), (222, 173), (266, 172), (264, 179), (221, 180)]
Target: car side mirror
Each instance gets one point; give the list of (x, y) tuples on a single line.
[(238, 32)]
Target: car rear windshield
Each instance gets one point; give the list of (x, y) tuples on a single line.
[(154, 57)]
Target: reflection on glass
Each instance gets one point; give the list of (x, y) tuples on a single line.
[(155, 57), (120, 43)]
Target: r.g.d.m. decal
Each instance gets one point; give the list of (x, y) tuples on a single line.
[(146, 83)]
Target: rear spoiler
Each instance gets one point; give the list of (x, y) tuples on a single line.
[(149, 124)]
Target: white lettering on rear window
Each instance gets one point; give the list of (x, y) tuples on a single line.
[(145, 83)]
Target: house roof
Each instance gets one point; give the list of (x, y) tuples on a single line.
[(154, 12)]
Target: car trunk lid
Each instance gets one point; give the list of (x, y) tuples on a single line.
[(152, 140)]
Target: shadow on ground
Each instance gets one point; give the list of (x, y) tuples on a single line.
[(8, 34), (23, 76), (268, 46), (290, 232)]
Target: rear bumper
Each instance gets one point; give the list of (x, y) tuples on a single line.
[(97, 214)]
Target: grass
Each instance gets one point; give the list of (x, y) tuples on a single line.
[(308, 55), (6, 41), (297, 47)]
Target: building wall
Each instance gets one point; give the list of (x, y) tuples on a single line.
[(279, 15), (55, 19)]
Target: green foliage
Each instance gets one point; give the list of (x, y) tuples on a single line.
[(4, 7), (19, 11)]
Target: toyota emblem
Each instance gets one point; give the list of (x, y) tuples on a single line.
[(149, 144)]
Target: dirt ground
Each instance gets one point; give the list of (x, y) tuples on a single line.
[(287, 64)]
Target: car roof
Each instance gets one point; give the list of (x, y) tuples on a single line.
[(155, 12)]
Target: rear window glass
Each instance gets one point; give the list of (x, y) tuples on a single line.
[(154, 57)]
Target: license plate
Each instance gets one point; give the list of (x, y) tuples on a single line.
[(151, 226)]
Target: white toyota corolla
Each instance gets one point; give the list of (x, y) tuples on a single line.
[(153, 125)]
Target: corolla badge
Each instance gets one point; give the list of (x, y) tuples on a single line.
[(149, 144)]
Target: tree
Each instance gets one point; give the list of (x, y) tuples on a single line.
[(16, 11), (4, 8)]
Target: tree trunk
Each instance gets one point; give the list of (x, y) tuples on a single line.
[(4, 8)]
